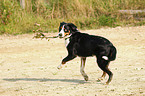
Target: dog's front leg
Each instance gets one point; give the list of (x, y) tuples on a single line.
[(68, 58), (83, 60)]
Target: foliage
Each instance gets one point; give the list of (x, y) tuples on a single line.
[(86, 14)]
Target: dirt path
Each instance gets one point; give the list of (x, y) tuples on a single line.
[(28, 67)]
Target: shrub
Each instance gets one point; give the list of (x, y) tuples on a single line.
[(86, 14)]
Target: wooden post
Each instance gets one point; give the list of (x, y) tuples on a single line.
[(22, 3), (130, 13)]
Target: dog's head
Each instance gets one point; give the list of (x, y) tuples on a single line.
[(66, 29)]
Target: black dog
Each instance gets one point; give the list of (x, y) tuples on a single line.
[(85, 45)]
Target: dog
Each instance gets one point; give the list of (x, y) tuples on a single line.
[(84, 45)]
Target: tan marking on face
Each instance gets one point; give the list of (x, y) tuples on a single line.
[(67, 33)]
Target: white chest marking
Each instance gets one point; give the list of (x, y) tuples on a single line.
[(66, 41), (62, 31)]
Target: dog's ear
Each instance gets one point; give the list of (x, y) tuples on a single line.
[(62, 23), (72, 27)]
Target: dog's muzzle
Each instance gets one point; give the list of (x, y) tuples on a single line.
[(60, 35)]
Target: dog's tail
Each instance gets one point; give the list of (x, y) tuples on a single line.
[(112, 54)]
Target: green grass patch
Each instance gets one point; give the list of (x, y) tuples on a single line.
[(86, 14)]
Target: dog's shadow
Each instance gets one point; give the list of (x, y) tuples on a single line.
[(45, 80)]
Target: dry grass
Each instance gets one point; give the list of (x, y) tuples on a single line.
[(86, 14)]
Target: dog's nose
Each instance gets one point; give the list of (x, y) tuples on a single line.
[(60, 34)]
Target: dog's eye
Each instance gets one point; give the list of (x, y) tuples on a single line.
[(65, 30)]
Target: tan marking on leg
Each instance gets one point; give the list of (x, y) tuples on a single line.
[(102, 77), (60, 66), (82, 68), (110, 78)]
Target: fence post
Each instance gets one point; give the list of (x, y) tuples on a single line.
[(22, 3)]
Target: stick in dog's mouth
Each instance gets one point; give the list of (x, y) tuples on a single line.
[(42, 36)]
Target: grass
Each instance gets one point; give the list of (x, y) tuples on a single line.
[(86, 14)]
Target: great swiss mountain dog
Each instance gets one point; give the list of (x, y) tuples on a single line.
[(85, 45)]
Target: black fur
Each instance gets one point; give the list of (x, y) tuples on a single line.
[(85, 45)]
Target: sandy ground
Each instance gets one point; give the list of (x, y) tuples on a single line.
[(28, 67)]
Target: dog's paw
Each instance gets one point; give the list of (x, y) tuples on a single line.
[(107, 83), (59, 67), (86, 78), (99, 79)]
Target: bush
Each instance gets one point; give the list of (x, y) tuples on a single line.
[(107, 21), (85, 14)]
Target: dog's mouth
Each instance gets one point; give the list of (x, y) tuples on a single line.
[(61, 36)]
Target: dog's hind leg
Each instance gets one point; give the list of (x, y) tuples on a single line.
[(102, 77), (103, 64), (83, 60)]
